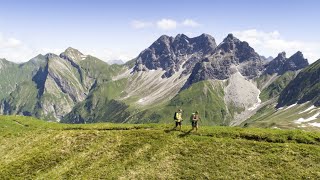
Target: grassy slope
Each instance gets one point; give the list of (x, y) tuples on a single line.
[(268, 117), (204, 96), (22, 99), (100, 105), (305, 87), (98, 69), (275, 88), (13, 74), (32, 149)]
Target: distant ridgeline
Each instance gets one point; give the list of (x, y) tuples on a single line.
[(227, 83)]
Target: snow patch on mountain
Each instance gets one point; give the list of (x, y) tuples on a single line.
[(314, 124), (292, 105), (301, 120), (308, 109)]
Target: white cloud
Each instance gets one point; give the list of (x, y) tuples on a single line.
[(190, 23), (272, 43), (110, 54), (164, 24), (137, 24), (188, 33), (15, 50), (167, 24), (9, 42)]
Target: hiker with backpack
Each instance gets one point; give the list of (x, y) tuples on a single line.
[(195, 118), (178, 118)]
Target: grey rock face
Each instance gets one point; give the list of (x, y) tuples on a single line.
[(295, 62), (231, 55), (276, 64), (170, 53), (240, 49), (281, 64)]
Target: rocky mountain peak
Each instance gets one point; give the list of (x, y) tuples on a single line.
[(276, 65), (296, 62), (281, 64), (298, 56), (238, 51), (51, 56), (72, 54), (230, 38), (72, 50), (281, 55), (232, 55), (181, 36), (204, 35), (168, 53), (205, 42), (163, 39)]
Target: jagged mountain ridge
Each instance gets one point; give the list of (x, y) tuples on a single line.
[(169, 53), (230, 56), (281, 64), (80, 88)]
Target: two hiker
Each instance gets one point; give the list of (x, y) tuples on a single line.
[(195, 118)]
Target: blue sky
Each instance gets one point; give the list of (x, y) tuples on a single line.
[(120, 29)]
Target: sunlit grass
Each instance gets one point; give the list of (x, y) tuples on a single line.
[(31, 149)]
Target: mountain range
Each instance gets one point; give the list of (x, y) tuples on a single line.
[(229, 83)]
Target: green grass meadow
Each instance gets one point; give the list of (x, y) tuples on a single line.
[(35, 149)]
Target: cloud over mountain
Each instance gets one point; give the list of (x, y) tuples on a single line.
[(270, 43), (165, 24)]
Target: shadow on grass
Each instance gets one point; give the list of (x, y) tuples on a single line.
[(185, 134), (170, 130)]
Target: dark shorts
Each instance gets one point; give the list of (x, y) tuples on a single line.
[(178, 123), (194, 123)]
